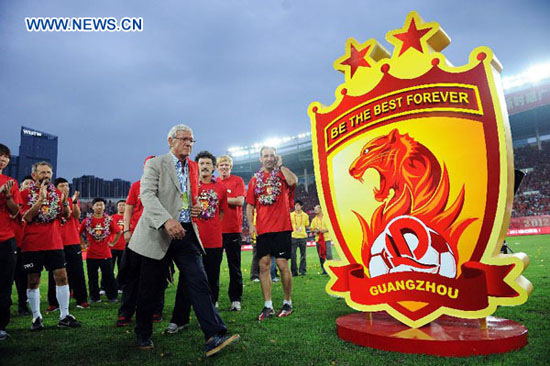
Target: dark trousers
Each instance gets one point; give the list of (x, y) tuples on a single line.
[(128, 279), (298, 243), (182, 306), (117, 258), (212, 261), (8, 260), (21, 282), (232, 245), (106, 266), (75, 276), (187, 256)]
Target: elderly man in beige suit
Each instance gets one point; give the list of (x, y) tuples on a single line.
[(165, 232)]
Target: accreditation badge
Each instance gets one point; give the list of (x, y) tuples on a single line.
[(414, 169), (184, 201)]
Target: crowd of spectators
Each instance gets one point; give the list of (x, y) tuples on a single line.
[(533, 196)]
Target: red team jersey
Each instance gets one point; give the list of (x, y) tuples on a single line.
[(134, 200), (69, 228), (212, 198), (119, 221), (275, 217), (6, 222), (233, 217), (98, 239), (38, 234)]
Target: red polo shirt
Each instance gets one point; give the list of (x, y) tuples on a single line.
[(212, 196), (275, 217), (37, 235), (233, 218), (6, 222), (98, 249), (119, 221), (69, 228)]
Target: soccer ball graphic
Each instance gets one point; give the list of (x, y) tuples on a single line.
[(408, 245)]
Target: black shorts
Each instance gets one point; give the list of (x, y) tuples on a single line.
[(274, 244), (33, 262)]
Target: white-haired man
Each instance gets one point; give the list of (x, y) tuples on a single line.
[(167, 231)]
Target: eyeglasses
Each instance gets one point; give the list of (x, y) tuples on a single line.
[(186, 139)]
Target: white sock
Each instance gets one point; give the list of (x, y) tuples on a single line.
[(34, 302), (62, 294), (268, 304), (289, 302)]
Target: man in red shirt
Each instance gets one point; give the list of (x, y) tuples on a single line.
[(20, 275), (120, 245), (232, 227), (73, 252), (213, 201), (42, 207), (9, 200), (98, 228), (128, 272), (268, 194)]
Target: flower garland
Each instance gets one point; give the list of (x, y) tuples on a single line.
[(93, 231), (49, 209), (269, 190), (208, 199)]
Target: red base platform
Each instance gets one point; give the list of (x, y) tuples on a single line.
[(446, 336)]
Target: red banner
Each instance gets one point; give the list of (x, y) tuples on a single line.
[(529, 225), (468, 292)]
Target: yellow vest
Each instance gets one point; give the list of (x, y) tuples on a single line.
[(317, 223), (299, 224)]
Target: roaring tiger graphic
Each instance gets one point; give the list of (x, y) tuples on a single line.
[(414, 192)]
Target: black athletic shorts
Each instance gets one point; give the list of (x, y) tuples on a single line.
[(274, 244), (33, 262)]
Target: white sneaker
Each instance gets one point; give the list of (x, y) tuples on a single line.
[(3, 335), (235, 306), (101, 292), (173, 328)]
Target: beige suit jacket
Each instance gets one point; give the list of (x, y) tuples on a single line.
[(161, 198)]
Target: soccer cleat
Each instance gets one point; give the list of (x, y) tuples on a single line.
[(68, 322), (122, 321), (157, 318), (144, 343), (255, 279), (173, 328), (52, 308), (37, 324), (83, 305), (266, 313), (235, 306), (101, 292), (286, 310), (275, 279), (217, 343)]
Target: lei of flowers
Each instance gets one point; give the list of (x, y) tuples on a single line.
[(50, 209), (269, 190), (208, 200), (105, 232)]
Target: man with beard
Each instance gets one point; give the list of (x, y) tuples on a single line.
[(268, 193), (42, 207)]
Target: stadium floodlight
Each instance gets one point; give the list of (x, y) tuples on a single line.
[(532, 75)]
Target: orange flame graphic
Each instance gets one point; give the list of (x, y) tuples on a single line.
[(420, 189)]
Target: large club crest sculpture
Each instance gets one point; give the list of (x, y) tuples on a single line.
[(414, 170)]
